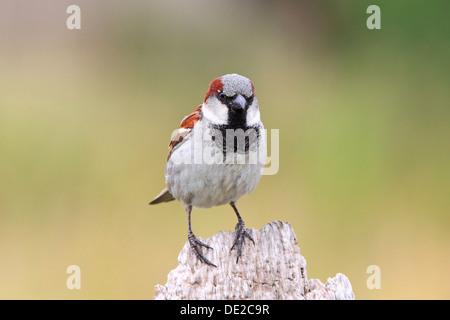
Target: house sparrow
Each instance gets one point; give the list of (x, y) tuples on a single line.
[(217, 155)]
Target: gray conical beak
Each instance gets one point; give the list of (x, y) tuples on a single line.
[(238, 102)]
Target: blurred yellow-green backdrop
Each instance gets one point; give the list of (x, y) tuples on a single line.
[(86, 117)]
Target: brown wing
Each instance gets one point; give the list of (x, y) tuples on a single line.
[(185, 129), (179, 137)]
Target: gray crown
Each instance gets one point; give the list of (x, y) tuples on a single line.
[(235, 83)]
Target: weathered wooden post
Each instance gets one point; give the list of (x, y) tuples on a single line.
[(273, 268)]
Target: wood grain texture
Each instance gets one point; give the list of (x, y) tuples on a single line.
[(273, 268)]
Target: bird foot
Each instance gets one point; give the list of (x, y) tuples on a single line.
[(195, 243), (240, 234)]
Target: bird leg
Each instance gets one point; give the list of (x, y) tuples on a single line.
[(194, 242), (240, 233)]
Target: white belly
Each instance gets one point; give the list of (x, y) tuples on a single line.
[(205, 185)]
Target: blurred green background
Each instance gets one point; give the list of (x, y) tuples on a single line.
[(86, 117)]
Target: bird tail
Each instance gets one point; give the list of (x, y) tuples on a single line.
[(164, 196)]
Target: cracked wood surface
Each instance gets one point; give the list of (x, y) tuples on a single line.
[(273, 268)]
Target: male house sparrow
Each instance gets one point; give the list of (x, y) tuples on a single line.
[(217, 155)]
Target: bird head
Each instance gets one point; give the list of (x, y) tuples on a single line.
[(230, 101)]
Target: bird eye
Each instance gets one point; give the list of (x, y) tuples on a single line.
[(222, 96), (249, 99)]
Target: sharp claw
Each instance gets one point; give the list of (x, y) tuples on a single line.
[(250, 237), (241, 234), (195, 243), (203, 244)]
